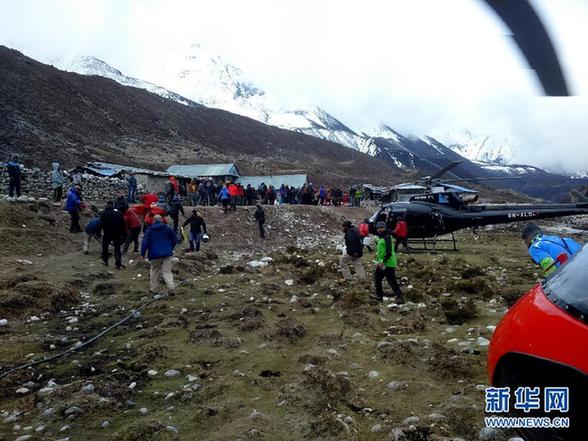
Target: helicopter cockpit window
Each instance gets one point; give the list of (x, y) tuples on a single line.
[(568, 287)]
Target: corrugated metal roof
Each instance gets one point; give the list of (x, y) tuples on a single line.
[(203, 170), (295, 181), (109, 169)]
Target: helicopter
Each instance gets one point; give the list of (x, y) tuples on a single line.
[(433, 207)]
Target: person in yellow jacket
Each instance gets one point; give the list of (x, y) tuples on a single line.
[(386, 264)]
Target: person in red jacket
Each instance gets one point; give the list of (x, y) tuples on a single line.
[(400, 233), (133, 228), (364, 232), (154, 211), (234, 192), (147, 200)]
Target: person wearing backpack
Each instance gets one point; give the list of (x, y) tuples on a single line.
[(549, 252), (386, 264), (353, 252)]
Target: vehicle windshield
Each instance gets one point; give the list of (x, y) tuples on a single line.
[(568, 287)]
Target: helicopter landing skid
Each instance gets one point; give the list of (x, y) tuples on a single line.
[(429, 245)]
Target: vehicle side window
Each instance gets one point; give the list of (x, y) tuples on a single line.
[(569, 284)]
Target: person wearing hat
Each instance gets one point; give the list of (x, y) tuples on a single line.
[(353, 252), (549, 252), (386, 264)]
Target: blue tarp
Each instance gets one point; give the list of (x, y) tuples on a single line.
[(108, 169)]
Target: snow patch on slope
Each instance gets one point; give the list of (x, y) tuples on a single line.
[(485, 148), (87, 65)]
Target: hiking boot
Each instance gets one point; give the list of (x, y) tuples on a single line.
[(376, 297), (400, 299)]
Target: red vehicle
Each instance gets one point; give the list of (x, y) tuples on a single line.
[(543, 342)]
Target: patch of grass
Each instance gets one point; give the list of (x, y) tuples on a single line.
[(458, 312)]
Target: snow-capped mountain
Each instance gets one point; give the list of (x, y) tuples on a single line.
[(209, 80), (200, 78), (482, 148), (87, 65)]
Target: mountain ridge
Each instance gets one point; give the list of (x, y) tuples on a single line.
[(47, 114)]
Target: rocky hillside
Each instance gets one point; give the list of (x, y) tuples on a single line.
[(47, 114)]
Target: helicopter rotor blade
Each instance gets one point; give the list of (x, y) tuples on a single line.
[(534, 42), (480, 179), (444, 170)]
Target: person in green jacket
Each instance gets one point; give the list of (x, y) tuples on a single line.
[(386, 264)]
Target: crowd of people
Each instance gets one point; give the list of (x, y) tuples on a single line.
[(206, 192), (120, 225)]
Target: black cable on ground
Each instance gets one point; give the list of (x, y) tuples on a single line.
[(91, 340)]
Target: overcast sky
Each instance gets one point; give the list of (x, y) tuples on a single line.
[(421, 66)]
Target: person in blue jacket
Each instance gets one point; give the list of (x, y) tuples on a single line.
[(549, 252), (73, 205), (132, 181), (224, 197), (159, 243), (14, 176), (93, 231)]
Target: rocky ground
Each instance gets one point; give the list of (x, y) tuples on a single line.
[(261, 342)]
